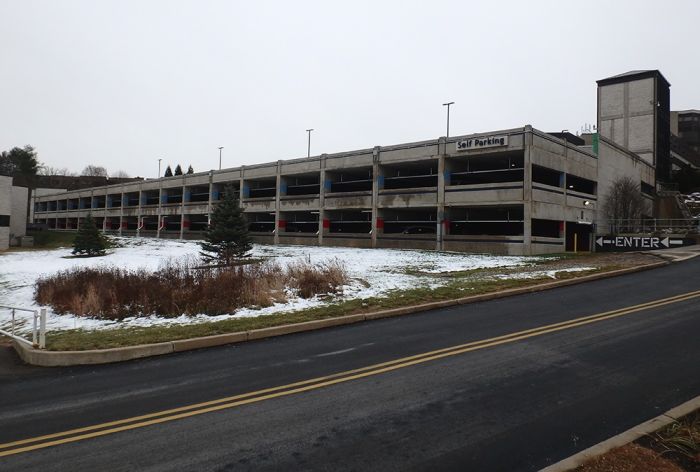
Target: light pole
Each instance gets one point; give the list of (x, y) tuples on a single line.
[(448, 116), (159, 167), (220, 148), (308, 149)]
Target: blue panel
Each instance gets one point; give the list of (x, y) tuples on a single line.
[(327, 184), (380, 181), (448, 177), (163, 198)]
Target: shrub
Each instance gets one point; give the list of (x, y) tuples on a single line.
[(89, 241), (179, 288), (227, 238)]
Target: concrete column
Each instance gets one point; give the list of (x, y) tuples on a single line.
[(322, 198), (377, 184), (211, 190), (527, 191), (182, 210), (139, 215), (278, 191), (160, 206), (121, 210), (439, 234)]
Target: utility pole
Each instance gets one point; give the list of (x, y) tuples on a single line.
[(448, 116), (159, 167), (220, 148), (308, 149)]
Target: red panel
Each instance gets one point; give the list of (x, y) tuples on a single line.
[(326, 223), (282, 224), (380, 223)]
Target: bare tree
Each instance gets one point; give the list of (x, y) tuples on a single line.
[(94, 171), (624, 205), (121, 174), (49, 170)]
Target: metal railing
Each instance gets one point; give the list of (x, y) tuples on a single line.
[(38, 326), (654, 226)]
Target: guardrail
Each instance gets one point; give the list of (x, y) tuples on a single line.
[(654, 225), (38, 327)]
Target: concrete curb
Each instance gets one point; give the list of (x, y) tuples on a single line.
[(105, 356), (627, 437)]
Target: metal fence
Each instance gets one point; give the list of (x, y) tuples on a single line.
[(38, 326), (654, 226)]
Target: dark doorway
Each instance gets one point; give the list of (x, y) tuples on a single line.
[(581, 233)]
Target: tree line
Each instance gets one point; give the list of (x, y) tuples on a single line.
[(24, 161)]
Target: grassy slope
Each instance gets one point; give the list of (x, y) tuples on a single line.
[(457, 288)]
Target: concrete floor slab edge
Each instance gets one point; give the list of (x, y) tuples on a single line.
[(625, 437), (105, 356)]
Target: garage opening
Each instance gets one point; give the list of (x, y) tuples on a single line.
[(197, 194), (299, 185), (410, 221), (579, 184), (352, 180), (217, 190), (349, 221), (299, 222), (411, 175), (98, 201), (547, 176), (507, 167), (266, 188), (150, 197), (172, 196), (196, 222), (260, 222), (489, 220)]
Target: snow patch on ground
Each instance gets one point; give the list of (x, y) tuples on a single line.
[(552, 274), (374, 273)]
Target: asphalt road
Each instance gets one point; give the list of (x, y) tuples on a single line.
[(515, 403)]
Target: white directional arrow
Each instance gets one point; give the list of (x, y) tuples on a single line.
[(677, 242), (599, 241), (665, 242)]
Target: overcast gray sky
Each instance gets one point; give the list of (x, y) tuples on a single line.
[(122, 83)]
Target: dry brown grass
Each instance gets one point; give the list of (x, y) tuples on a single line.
[(629, 458), (183, 288)]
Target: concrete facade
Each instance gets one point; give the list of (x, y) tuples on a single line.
[(525, 193), (13, 212), (5, 211), (634, 113), (18, 220)]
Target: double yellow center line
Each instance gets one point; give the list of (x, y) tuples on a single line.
[(111, 427)]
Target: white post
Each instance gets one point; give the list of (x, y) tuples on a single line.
[(13, 322), (42, 329), (34, 329)]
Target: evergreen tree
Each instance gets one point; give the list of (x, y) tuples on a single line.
[(89, 241), (168, 172), (178, 170), (190, 170), (227, 237)]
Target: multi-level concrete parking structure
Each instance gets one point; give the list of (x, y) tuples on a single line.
[(515, 191)]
